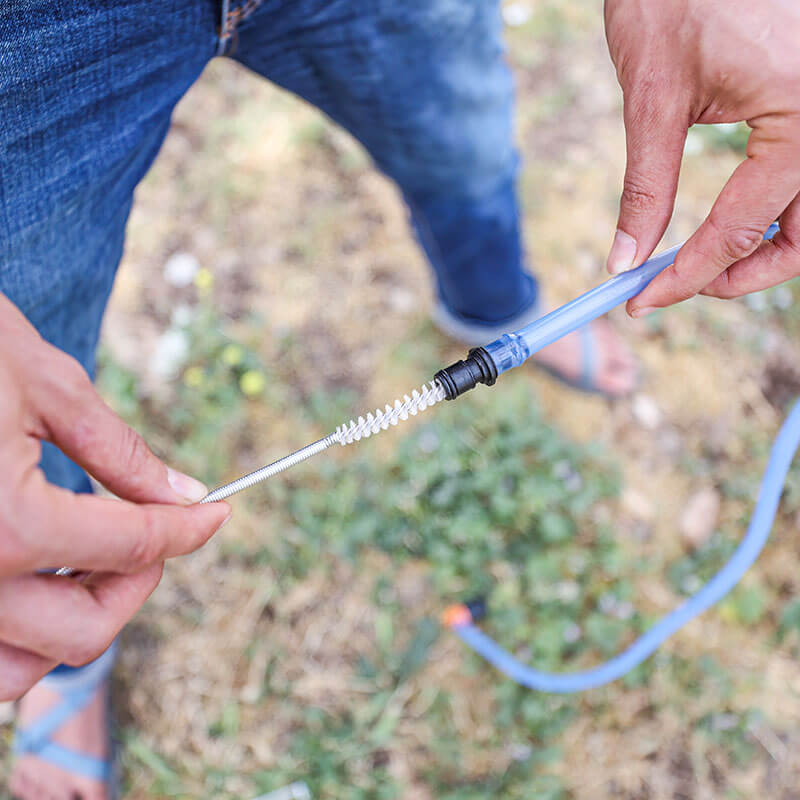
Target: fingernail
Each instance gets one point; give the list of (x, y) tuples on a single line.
[(642, 312), (623, 251), (225, 521), (188, 488)]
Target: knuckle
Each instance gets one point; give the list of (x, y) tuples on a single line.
[(723, 287), (18, 547), (135, 455), (84, 434), (70, 375), (146, 548), (637, 197), (10, 555), (60, 378), (737, 242)]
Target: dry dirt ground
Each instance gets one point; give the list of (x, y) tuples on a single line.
[(287, 214)]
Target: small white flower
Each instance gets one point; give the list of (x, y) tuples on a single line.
[(572, 633), (169, 354), (783, 298), (180, 269), (607, 603), (516, 14), (756, 301), (428, 441), (691, 584), (182, 316), (624, 610), (567, 591)]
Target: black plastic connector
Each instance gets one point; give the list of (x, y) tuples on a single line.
[(477, 608), (465, 375)]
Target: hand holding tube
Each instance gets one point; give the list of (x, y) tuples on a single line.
[(682, 62)]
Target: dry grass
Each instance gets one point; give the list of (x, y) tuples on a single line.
[(285, 210)]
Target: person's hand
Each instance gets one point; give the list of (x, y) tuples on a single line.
[(47, 619), (681, 62)]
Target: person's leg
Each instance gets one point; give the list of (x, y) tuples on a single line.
[(424, 85), (86, 93)]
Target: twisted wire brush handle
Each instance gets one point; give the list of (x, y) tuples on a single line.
[(353, 431), (252, 478)]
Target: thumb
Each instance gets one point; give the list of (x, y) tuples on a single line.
[(654, 140)]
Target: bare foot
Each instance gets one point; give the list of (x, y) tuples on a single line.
[(615, 372), (86, 732)]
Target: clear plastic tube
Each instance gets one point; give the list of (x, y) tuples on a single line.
[(513, 349)]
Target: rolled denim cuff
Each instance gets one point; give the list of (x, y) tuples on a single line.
[(475, 333)]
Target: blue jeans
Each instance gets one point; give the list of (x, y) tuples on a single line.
[(86, 94)]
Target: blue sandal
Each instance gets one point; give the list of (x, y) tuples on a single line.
[(77, 688)]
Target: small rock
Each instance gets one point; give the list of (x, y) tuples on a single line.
[(572, 633), (699, 517), (637, 505), (6, 713), (402, 300), (520, 752), (646, 412)]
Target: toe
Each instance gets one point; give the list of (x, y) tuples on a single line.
[(619, 369), (15, 785)]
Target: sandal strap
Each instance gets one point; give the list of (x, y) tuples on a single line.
[(77, 690), (588, 359), (75, 763)]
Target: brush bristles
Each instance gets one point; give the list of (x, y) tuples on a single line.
[(428, 395)]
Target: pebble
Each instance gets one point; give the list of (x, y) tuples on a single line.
[(637, 505), (699, 517), (403, 301), (6, 713), (646, 412)]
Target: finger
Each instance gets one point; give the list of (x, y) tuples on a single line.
[(655, 136), (91, 434), (774, 262), (758, 191), (19, 670), (53, 527), (60, 619)]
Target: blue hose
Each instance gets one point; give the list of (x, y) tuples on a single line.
[(509, 351), (746, 553)]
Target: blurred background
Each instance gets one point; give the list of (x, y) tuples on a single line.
[(270, 289)]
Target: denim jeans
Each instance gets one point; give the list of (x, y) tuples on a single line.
[(86, 94)]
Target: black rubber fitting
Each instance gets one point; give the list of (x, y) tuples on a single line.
[(462, 376), (477, 608)]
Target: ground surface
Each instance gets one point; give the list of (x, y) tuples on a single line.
[(302, 643)]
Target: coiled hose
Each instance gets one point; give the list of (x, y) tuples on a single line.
[(781, 455)]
